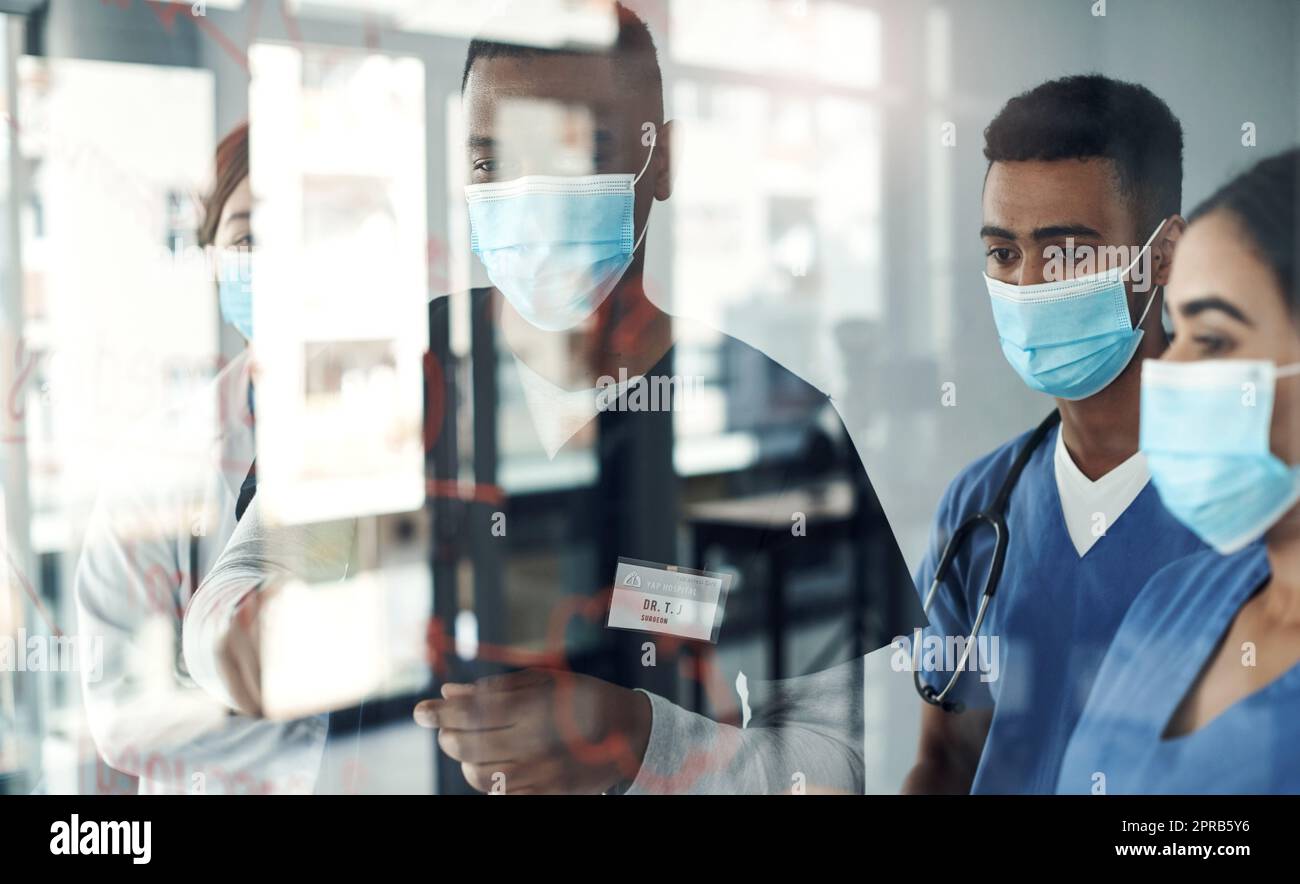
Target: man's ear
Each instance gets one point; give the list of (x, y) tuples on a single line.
[(663, 162), (1162, 250)]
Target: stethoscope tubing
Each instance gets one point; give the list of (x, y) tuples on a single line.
[(995, 517)]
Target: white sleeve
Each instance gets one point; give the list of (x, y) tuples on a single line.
[(147, 717), (806, 732), (257, 557), (127, 589)]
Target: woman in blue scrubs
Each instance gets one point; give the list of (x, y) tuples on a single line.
[(1200, 690)]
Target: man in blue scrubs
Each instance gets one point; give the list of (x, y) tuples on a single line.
[(1081, 216)]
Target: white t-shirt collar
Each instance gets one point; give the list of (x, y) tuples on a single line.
[(1090, 508)]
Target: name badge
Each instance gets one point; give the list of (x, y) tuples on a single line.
[(668, 600)]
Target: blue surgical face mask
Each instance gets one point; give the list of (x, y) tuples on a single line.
[(555, 246), (235, 291), (1069, 338), (1205, 434)]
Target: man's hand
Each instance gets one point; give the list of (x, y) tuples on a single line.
[(545, 732)]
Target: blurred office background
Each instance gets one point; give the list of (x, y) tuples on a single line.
[(826, 211)]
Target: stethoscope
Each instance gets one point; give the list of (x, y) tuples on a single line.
[(994, 517)]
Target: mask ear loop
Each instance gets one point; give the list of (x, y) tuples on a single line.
[(1151, 300), (649, 157), (653, 141), (640, 239)]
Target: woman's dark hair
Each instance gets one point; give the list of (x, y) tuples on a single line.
[(232, 168), (1265, 200)]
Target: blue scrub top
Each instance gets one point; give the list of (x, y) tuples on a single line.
[(1053, 615), (1172, 632)]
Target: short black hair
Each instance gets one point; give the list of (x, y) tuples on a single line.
[(1090, 115), (1265, 199), (633, 49)]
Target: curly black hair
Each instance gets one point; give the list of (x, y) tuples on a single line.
[(1090, 115)]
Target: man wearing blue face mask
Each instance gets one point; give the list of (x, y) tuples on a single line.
[(561, 232), (551, 465), (1081, 203)]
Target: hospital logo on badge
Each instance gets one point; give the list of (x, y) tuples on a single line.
[(668, 600)]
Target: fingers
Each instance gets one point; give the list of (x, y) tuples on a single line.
[(493, 702), (536, 777), (425, 713), (489, 747), (489, 777), (514, 681), (477, 712)]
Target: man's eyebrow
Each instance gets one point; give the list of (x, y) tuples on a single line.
[(989, 230), (1213, 302), (1056, 231), (483, 141)]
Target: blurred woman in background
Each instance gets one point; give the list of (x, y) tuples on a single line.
[(159, 524)]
